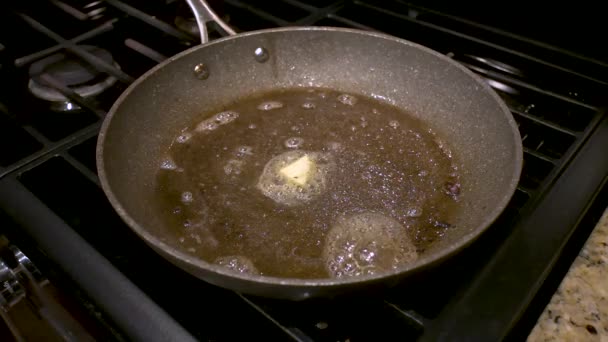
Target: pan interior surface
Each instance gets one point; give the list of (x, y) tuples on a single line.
[(339, 185), (445, 96)]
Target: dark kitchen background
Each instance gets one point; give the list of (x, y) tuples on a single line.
[(69, 265)]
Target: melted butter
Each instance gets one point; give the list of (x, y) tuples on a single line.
[(383, 161)]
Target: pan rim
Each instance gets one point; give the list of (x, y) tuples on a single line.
[(419, 265)]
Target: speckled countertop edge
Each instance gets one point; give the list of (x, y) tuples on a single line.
[(578, 310)]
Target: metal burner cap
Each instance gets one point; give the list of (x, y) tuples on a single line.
[(72, 72)]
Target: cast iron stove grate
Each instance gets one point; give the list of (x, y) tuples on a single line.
[(47, 168)]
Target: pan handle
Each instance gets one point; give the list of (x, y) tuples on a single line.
[(203, 13)]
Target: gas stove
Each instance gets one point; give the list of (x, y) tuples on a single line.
[(63, 63)]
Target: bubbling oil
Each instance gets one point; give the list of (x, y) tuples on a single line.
[(384, 186), (366, 244)]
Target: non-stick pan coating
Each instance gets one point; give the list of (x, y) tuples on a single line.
[(455, 103)]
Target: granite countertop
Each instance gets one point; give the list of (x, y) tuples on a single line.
[(578, 310)]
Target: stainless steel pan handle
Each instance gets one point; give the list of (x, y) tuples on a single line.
[(203, 14)]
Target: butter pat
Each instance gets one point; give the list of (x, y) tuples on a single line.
[(295, 177), (298, 171)]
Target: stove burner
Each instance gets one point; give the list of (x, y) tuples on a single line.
[(73, 73)]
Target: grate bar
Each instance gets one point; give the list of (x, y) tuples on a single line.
[(90, 175), (320, 14), (70, 10), (70, 46), (301, 5), (525, 85), (351, 23), (40, 156), (144, 50), (507, 34), (150, 20), (271, 319), (105, 27), (480, 41), (546, 123), (411, 315), (258, 12), (525, 190), (37, 135), (301, 335), (540, 156)]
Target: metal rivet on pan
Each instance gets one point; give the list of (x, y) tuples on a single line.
[(261, 54), (201, 71)]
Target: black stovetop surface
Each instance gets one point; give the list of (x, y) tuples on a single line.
[(493, 290)]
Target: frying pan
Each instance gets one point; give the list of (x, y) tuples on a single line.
[(453, 101)]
